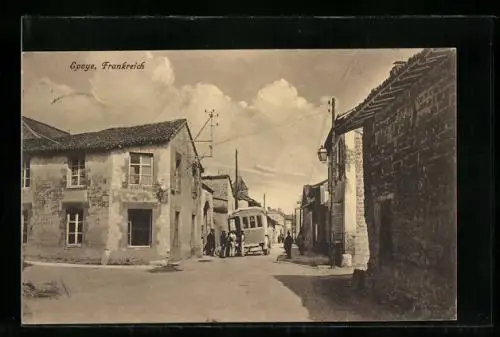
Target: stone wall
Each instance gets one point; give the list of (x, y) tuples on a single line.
[(410, 157), (126, 196), (361, 246), (47, 227)]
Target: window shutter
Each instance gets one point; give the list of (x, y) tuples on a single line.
[(172, 179), (154, 167), (126, 174), (65, 175), (86, 177)]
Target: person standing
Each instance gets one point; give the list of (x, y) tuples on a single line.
[(242, 243), (288, 245), (232, 242), (266, 245), (211, 242), (223, 243)]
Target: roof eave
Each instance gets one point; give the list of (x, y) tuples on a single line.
[(383, 96)]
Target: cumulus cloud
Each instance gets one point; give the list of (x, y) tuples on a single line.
[(277, 133)]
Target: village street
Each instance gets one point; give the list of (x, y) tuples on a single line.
[(244, 289)]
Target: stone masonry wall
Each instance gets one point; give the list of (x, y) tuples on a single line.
[(410, 156), (47, 236), (361, 250), (125, 197)]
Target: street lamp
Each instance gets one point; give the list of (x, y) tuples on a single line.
[(322, 154)]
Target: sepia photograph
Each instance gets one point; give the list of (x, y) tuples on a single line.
[(221, 186)]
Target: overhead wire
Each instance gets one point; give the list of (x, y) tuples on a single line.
[(344, 75), (290, 122)]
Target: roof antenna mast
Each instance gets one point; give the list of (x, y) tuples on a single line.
[(211, 116)]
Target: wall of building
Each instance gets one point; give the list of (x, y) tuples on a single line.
[(361, 246), (208, 222), (109, 198), (242, 203), (186, 202), (125, 197), (410, 156), (350, 200), (47, 234)]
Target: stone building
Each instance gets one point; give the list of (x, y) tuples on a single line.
[(223, 201), (346, 200), (315, 225), (120, 195), (409, 159)]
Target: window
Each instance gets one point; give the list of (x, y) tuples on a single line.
[(74, 226), (245, 222), (139, 227), (141, 169), (259, 221), (77, 171), (252, 222), (237, 223), (26, 174), (177, 173), (25, 226)]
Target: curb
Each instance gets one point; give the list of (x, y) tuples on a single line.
[(303, 265), (320, 267), (92, 266)]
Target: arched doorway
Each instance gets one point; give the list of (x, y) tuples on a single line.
[(205, 227)]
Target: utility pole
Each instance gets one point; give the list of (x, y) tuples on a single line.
[(333, 168), (211, 116), (236, 184), (265, 209)]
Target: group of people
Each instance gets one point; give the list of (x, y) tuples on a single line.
[(231, 244)]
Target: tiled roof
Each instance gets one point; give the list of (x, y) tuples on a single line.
[(219, 184), (249, 200), (109, 139), (398, 81), (240, 186), (32, 129)]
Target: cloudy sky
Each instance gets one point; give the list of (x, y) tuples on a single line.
[(271, 104)]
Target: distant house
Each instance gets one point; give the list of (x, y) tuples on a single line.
[(240, 189), (31, 129), (409, 160), (128, 193), (223, 200), (315, 224), (278, 218)]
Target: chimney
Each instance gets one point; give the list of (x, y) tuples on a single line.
[(397, 66)]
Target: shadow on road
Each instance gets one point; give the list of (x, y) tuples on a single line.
[(331, 298), (165, 269)]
